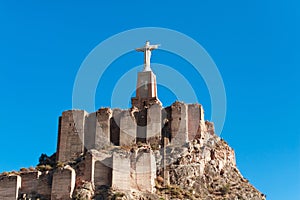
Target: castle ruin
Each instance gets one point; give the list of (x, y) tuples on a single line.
[(116, 148)]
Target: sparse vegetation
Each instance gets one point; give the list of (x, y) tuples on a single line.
[(225, 189), (44, 167), (118, 195), (23, 169), (174, 191), (60, 164)]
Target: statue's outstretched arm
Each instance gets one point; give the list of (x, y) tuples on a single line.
[(140, 49), (154, 46)]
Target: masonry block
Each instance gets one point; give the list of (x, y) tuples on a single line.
[(63, 184), (145, 171), (102, 175), (154, 123), (87, 169), (210, 128), (121, 171), (195, 121), (103, 128), (97, 129), (71, 135), (29, 182), (128, 128), (102, 167), (44, 185), (179, 123), (90, 131), (9, 187)]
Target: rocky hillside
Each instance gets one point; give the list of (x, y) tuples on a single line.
[(203, 169)]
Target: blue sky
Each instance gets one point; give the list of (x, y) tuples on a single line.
[(255, 45)]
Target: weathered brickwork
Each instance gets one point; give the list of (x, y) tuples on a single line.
[(102, 168), (29, 182), (195, 121), (179, 123), (154, 123), (45, 185), (97, 129), (90, 131), (102, 139), (63, 184), (71, 135), (9, 187), (121, 171), (128, 128), (145, 171)]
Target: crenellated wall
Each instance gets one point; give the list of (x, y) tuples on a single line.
[(9, 187), (174, 125), (63, 184), (99, 135), (30, 182)]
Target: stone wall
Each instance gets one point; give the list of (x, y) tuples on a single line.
[(121, 171), (63, 184), (103, 168), (195, 121), (71, 135), (154, 125), (179, 123), (90, 131), (97, 129), (175, 124), (29, 182), (102, 139), (145, 171), (9, 187), (44, 185), (88, 168), (128, 128)]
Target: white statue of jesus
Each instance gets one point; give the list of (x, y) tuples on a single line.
[(147, 54)]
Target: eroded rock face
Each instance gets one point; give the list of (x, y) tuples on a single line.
[(209, 171), (203, 168)]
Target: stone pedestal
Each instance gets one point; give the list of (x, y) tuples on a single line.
[(146, 90)]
